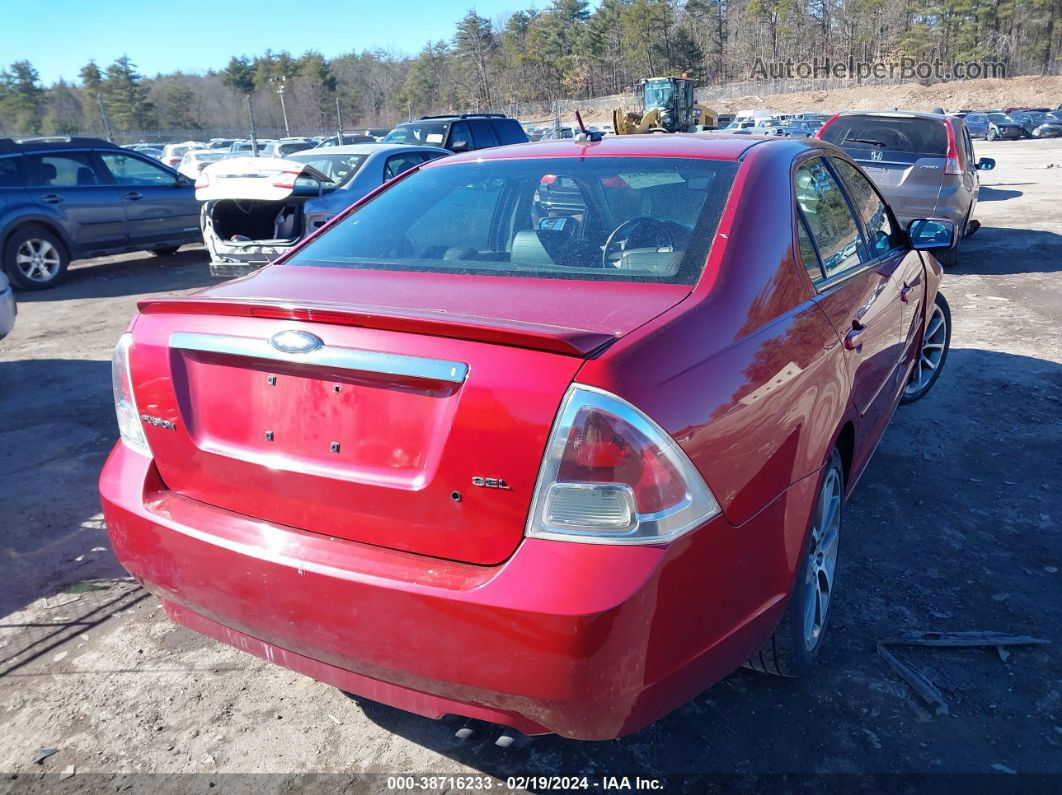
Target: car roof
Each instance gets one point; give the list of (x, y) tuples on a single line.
[(365, 149), (711, 146), (51, 143), (896, 114)]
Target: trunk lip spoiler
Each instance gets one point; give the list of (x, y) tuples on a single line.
[(564, 340)]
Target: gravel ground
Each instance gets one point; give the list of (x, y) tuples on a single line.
[(955, 526)]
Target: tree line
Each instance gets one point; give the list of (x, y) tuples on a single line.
[(534, 57)]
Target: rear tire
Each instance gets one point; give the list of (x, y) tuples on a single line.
[(35, 259), (933, 353), (795, 644)]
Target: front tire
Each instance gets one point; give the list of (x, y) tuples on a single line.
[(933, 352), (795, 644), (35, 259)]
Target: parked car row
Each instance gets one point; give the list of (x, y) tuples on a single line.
[(998, 125)]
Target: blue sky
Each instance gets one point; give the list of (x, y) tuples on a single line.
[(60, 36)]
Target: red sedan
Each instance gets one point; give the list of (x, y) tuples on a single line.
[(554, 435)]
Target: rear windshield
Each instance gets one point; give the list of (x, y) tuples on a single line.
[(897, 138), (609, 219), (429, 133), (339, 167)]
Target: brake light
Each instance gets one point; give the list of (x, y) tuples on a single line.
[(612, 475), (202, 180), (951, 164), (129, 426), (286, 179), (829, 121)]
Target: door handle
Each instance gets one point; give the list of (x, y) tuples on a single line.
[(52, 198), (853, 340), (905, 292), (133, 195)]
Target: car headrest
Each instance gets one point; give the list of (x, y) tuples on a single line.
[(84, 176), (527, 248), (48, 171)]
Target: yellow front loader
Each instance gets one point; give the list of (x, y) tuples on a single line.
[(667, 106)]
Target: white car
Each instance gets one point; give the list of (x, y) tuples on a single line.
[(195, 160), (172, 153), (256, 208), (8, 307)]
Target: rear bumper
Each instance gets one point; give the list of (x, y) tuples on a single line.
[(589, 641)]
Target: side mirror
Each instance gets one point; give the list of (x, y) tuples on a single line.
[(931, 234), (460, 146), (986, 164)]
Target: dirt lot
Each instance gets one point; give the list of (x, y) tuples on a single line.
[(956, 525)]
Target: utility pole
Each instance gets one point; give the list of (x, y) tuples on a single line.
[(103, 115), (339, 123), (250, 118), (281, 85)]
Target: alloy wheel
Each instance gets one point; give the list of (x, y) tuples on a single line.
[(38, 260), (929, 358), (822, 558)]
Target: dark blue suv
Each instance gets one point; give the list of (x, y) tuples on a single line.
[(69, 198)]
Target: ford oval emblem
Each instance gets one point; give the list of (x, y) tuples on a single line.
[(295, 341)]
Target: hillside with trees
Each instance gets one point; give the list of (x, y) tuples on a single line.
[(532, 58)]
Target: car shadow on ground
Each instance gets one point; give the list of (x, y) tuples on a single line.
[(937, 537), (993, 194), (998, 250), (139, 273), (58, 430)]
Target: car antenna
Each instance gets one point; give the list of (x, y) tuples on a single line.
[(585, 134)]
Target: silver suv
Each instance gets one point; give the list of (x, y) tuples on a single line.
[(923, 163)]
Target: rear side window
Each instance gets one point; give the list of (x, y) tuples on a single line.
[(598, 218), (894, 138), (510, 132), (11, 172), (61, 170), (829, 220), (881, 234)]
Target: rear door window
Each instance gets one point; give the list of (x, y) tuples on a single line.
[(892, 138), (396, 164), (460, 138), (882, 236), (829, 219), (62, 170), (483, 135)]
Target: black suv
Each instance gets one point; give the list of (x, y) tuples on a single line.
[(459, 133), (70, 198)]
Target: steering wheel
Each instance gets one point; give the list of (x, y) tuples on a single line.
[(625, 231)]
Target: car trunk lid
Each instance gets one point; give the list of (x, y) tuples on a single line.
[(266, 179), (406, 428)]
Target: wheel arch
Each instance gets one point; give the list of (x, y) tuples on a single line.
[(16, 225)]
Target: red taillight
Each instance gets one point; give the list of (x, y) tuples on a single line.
[(286, 179), (202, 181), (951, 164), (829, 121), (612, 475), (604, 449)]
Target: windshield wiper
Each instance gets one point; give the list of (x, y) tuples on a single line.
[(867, 141)]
